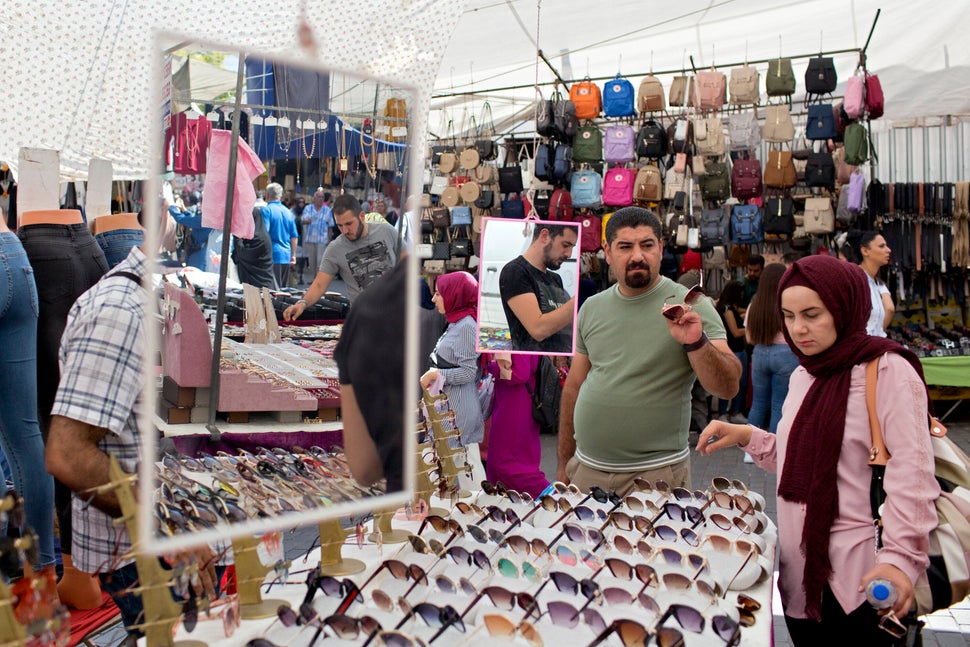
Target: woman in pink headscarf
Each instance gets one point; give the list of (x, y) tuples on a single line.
[(455, 360)]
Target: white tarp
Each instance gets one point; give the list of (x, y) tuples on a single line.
[(918, 47), (76, 75)]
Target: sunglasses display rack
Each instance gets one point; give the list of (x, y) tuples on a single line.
[(384, 530), (160, 612), (438, 416), (250, 574), (332, 561)]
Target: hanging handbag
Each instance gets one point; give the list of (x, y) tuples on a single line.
[(510, 175), (485, 175), (448, 163), (682, 91), (440, 218), (949, 542), (438, 184), (441, 250), (450, 197), (513, 208), (485, 200), (461, 244), (433, 267), (470, 191), (461, 216), (427, 223), (469, 158)]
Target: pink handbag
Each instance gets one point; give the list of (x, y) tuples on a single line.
[(854, 102)]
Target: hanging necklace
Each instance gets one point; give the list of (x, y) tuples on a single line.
[(313, 141)]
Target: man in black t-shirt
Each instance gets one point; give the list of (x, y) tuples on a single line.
[(538, 309), (370, 365)]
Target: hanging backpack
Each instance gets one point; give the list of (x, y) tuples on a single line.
[(651, 140), (650, 95), (715, 183), (586, 189), (856, 144), (711, 89), (620, 144), (819, 217), (820, 170), (562, 163), (648, 186), (779, 126), (546, 117), (820, 76), (780, 170), (590, 232), (856, 192), (779, 216), (586, 96), (746, 224), (875, 101), (744, 131), (854, 102), (715, 227), (588, 144), (618, 98), (618, 187), (820, 123), (567, 122), (561, 205), (745, 86), (709, 136), (542, 164), (780, 81), (746, 179)]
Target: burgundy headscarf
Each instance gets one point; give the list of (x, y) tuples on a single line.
[(459, 293), (815, 439)]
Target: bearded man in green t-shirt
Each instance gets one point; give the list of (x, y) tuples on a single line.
[(626, 402)]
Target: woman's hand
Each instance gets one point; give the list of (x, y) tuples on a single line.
[(718, 435), (429, 378), (904, 588)]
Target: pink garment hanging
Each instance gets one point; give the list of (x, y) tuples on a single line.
[(248, 168), (191, 143)]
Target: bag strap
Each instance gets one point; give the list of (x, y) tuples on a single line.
[(878, 454)]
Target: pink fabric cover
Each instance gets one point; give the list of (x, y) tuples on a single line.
[(248, 168)]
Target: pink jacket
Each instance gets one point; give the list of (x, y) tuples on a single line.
[(248, 168), (909, 513)]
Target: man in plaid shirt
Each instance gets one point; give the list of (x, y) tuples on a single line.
[(317, 220)]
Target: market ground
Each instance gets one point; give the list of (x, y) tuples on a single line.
[(950, 628)]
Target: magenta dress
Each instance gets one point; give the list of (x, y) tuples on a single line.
[(514, 451)]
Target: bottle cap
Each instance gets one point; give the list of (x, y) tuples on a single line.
[(881, 591)]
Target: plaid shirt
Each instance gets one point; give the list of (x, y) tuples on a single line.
[(101, 382), (318, 229)]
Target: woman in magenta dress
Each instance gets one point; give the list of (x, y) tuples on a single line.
[(514, 451)]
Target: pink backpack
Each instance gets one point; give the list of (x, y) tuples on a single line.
[(711, 89), (618, 186), (854, 102), (620, 144), (875, 102)]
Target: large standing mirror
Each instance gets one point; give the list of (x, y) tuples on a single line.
[(255, 439), (529, 286)]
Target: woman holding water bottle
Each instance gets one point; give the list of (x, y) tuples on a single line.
[(826, 544)]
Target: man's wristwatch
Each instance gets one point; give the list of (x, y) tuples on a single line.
[(303, 301), (700, 343)]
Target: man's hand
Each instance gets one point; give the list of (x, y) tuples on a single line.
[(205, 560), (292, 260), (294, 311), (687, 329)]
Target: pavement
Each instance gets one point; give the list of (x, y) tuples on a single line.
[(947, 628)]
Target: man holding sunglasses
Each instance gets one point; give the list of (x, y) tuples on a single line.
[(639, 347), (94, 417)]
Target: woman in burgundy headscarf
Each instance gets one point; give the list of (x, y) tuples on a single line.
[(826, 542), (455, 360)]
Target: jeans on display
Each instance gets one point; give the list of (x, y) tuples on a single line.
[(20, 436), (737, 402), (771, 368), (118, 242), (67, 261)]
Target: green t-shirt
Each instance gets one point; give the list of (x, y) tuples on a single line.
[(633, 409)]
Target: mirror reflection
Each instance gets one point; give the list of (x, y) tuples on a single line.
[(294, 190), (529, 282)]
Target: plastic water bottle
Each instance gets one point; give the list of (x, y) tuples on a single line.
[(881, 593)]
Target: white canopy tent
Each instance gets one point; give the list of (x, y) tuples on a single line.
[(917, 49)]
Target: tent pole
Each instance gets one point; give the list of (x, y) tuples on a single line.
[(549, 65), (214, 433)]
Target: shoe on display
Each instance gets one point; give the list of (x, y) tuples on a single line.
[(738, 418)]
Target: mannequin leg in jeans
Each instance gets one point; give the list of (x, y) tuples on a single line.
[(20, 435)]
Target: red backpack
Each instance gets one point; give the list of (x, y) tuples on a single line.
[(875, 101), (587, 99), (561, 205), (590, 239)]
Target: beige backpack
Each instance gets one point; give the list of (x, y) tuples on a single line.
[(649, 185), (709, 136), (744, 85), (650, 95), (778, 124)]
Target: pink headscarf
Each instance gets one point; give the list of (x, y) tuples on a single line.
[(459, 294)]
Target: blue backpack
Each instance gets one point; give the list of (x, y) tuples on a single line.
[(821, 122), (586, 189), (562, 165), (746, 225), (618, 98), (545, 155)]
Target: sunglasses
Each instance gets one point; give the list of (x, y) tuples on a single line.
[(447, 585), (510, 569), (564, 614), (398, 569), (678, 512), (636, 504), (461, 555), (677, 310), (662, 487), (616, 596), (398, 639), (520, 545), (569, 557), (504, 599), (582, 534), (625, 571), (442, 525), (692, 620), (504, 629), (566, 583), (484, 536), (670, 534), (426, 546), (562, 488), (634, 634), (434, 616), (746, 609)]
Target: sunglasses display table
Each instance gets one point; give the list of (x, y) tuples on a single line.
[(518, 576)]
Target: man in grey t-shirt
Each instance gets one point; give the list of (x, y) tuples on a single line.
[(362, 253)]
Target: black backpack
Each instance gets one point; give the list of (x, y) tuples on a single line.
[(651, 140), (566, 122), (715, 227), (546, 397)]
